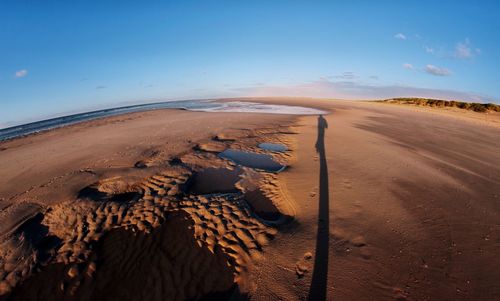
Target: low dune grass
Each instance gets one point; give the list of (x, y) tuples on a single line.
[(473, 106)]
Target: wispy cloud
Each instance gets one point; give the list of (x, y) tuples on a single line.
[(464, 50), (400, 36), (431, 69), (100, 87), (346, 75), (21, 73), (356, 90)]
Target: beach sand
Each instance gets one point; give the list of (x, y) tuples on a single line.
[(378, 202)]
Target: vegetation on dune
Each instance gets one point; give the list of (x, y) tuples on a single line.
[(473, 106)]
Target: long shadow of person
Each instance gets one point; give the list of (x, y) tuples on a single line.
[(317, 290)]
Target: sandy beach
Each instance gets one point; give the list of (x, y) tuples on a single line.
[(377, 202)]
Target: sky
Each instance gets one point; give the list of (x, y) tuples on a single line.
[(61, 57)]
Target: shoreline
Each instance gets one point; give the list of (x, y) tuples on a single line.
[(201, 105)]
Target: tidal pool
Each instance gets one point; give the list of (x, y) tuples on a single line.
[(214, 180)]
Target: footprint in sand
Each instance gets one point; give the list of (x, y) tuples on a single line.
[(304, 265), (313, 192), (345, 242), (301, 269), (347, 184)]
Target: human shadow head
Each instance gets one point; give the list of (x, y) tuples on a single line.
[(322, 123)]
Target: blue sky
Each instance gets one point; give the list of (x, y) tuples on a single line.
[(59, 57)]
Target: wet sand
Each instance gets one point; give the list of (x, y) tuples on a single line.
[(409, 200)]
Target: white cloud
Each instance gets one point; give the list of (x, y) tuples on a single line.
[(431, 69), (21, 73), (400, 36)]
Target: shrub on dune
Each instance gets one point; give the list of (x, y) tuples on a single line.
[(473, 106)]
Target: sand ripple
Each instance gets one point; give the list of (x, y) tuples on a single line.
[(151, 238)]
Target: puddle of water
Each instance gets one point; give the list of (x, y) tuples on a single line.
[(253, 160), (274, 147), (214, 180)]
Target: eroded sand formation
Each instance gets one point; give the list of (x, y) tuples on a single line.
[(155, 237)]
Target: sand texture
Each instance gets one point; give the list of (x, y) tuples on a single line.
[(172, 225)]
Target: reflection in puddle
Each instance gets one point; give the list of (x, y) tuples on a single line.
[(253, 160), (274, 147)]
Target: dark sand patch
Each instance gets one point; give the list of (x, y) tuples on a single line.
[(166, 264), (262, 205), (214, 180)]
